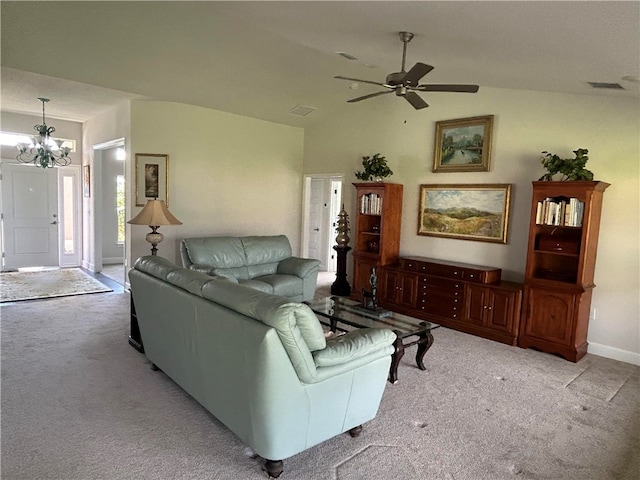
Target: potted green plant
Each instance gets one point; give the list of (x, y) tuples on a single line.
[(567, 168), (375, 168)]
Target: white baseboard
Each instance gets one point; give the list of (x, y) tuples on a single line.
[(89, 266), (614, 353)]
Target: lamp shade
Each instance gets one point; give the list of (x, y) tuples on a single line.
[(155, 213)]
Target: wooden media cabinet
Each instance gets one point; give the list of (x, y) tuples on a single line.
[(465, 297)]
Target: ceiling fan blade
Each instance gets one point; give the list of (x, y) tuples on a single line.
[(414, 99), (371, 95), (361, 81), (414, 75), (448, 88)]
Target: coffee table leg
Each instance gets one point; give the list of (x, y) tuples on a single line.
[(424, 344), (395, 358)]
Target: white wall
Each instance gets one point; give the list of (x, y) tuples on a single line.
[(110, 125), (525, 124), (228, 174)]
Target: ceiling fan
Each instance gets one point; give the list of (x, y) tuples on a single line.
[(405, 84)]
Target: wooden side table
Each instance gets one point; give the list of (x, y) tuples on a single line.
[(135, 340)]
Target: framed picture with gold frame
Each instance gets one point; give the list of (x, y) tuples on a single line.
[(467, 212), (463, 145), (152, 178)]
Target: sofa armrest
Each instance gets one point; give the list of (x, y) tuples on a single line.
[(300, 267), (355, 345)]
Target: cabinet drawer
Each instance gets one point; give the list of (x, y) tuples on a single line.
[(446, 271), (452, 270), (481, 276), (410, 265), (434, 283)]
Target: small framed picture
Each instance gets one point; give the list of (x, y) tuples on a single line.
[(152, 178), (467, 212), (86, 181), (463, 145)]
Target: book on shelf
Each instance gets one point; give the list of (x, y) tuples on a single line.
[(371, 204), (553, 211)]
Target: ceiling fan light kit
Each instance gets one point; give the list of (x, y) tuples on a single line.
[(406, 84)]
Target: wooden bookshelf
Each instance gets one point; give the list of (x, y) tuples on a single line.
[(559, 276), (376, 239)]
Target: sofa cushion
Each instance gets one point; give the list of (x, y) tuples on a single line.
[(285, 285), (239, 273), (262, 269), (266, 249), (222, 252), (257, 284)]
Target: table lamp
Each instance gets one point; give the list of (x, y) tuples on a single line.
[(154, 214)]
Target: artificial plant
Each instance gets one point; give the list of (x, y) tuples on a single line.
[(568, 168), (374, 167)]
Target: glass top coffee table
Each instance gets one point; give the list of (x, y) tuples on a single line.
[(342, 310)]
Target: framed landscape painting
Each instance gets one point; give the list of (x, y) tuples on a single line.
[(463, 145), (467, 212), (152, 178)]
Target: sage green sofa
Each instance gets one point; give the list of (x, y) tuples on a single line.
[(265, 263), (258, 362)]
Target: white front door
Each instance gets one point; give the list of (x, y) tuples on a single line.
[(29, 216)]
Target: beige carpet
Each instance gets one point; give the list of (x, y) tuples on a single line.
[(78, 403), (16, 286)]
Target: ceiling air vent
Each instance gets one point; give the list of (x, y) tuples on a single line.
[(606, 86), (302, 110), (346, 55)]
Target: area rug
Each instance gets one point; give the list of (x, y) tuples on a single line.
[(16, 286)]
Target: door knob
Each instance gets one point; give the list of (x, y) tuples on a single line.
[(316, 229), (53, 223)]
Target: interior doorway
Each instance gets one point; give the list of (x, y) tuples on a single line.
[(107, 230), (322, 200)]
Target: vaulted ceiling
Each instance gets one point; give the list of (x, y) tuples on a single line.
[(261, 59)]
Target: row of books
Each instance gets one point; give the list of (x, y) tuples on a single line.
[(561, 212), (371, 204)]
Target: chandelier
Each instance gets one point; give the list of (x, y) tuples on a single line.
[(43, 151)]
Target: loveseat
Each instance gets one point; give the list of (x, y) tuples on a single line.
[(265, 263), (258, 362)]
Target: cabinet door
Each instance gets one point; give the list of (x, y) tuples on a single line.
[(549, 315), (361, 275), (500, 312), (399, 288), (492, 307), (476, 304), (389, 285), (407, 293)]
